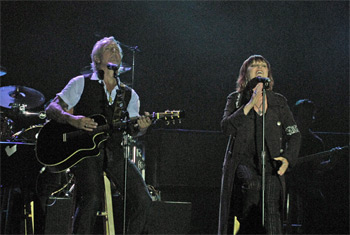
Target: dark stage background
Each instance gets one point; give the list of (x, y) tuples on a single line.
[(191, 52)]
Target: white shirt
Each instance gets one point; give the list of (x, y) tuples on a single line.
[(72, 92)]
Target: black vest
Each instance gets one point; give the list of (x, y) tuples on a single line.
[(94, 100)]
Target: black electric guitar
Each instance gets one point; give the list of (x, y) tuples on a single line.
[(320, 155), (61, 146)]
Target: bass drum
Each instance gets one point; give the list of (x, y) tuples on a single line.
[(29, 135)]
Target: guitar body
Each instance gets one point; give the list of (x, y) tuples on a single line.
[(61, 146)]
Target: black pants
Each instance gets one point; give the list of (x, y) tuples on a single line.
[(249, 184), (90, 191)]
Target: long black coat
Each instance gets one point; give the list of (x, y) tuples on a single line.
[(281, 136)]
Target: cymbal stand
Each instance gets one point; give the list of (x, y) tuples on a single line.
[(133, 69), (21, 108)]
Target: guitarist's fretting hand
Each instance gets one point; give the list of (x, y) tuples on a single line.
[(144, 122)]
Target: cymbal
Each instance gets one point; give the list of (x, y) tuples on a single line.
[(122, 69), (86, 70), (2, 71), (13, 96)]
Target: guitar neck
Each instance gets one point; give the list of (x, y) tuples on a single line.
[(168, 115), (320, 154), (116, 124)]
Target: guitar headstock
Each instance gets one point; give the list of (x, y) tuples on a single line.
[(169, 116)]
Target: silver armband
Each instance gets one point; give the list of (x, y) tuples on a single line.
[(290, 130)]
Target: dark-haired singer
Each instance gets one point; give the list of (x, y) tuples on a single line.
[(242, 170), (101, 93)]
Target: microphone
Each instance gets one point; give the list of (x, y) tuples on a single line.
[(263, 80), (253, 82), (111, 66)]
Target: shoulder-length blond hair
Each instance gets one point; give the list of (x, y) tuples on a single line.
[(243, 79), (97, 51)]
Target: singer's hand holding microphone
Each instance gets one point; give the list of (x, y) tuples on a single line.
[(255, 81), (256, 97), (256, 85)]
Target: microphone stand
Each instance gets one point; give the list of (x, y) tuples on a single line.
[(126, 150), (250, 85), (126, 138), (263, 159), (134, 49), (133, 69)]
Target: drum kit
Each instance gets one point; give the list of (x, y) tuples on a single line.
[(15, 101)]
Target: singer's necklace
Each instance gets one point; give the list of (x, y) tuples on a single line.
[(260, 112)]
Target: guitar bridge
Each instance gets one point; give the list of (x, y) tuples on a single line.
[(64, 137)]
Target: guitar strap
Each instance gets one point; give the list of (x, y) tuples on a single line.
[(119, 106)]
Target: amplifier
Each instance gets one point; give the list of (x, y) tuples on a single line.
[(170, 217)]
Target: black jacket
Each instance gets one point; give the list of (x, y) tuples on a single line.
[(282, 139)]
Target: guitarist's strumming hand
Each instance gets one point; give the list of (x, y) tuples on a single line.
[(58, 111), (82, 122), (284, 165)]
